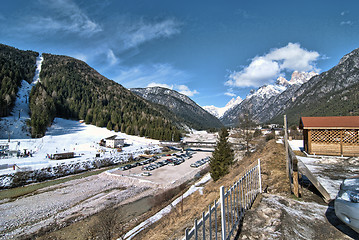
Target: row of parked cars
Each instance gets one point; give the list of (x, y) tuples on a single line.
[(176, 159), (141, 163), (200, 162)]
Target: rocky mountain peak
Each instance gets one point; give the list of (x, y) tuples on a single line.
[(220, 111), (301, 77)]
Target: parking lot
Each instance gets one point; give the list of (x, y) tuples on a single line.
[(168, 170)]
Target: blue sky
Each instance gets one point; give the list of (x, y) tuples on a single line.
[(209, 50)]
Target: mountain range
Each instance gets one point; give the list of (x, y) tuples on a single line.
[(182, 106), (266, 102), (69, 88), (220, 111)]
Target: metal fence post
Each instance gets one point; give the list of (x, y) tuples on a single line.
[(195, 229), (223, 213), (259, 176), (187, 237)]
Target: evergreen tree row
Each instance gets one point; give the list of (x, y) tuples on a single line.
[(71, 89), (15, 66)]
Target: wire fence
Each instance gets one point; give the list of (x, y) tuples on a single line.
[(224, 216)]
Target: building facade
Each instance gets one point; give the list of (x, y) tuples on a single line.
[(337, 136)]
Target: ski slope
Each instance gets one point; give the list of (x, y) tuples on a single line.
[(14, 126)]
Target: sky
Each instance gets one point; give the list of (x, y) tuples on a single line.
[(208, 50)]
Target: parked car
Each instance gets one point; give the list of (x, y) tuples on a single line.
[(346, 203), (146, 174)]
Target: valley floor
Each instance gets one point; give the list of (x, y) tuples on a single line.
[(58, 205)]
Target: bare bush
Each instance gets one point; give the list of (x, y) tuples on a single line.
[(107, 226)]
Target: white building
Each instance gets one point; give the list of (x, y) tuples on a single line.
[(115, 142)]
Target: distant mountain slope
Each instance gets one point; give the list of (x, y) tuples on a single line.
[(265, 103), (182, 106), (69, 88), (219, 112), (15, 65), (332, 93)]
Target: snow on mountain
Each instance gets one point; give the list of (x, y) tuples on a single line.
[(282, 84), (219, 111), (181, 105), (258, 101), (15, 125)]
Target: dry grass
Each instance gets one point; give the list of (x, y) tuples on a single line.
[(272, 157)]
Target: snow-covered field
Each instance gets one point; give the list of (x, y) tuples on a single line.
[(70, 136)]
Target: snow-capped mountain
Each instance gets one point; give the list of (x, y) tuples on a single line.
[(220, 111), (180, 105), (332, 93), (258, 101), (297, 78)]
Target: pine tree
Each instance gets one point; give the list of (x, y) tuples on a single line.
[(222, 156)]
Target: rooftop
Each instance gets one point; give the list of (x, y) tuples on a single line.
[(342, 122)]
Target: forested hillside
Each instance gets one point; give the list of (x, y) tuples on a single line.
[(71, 89), (15, 65), (180, 105), (332, 93)]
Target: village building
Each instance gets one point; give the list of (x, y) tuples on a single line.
[(115, 142), (337, 136)]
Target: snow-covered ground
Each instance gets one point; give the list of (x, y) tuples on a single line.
[(70, 136), (15, 125), (200, 136), (329, 170), (62, 136)]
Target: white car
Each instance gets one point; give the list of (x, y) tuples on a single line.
[(346, 203)]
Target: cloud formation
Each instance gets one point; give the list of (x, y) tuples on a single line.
[(230, 94), (186, 91), (346, 23), (63, 15), (141, 31), (111, 57), (143, 75), (264, 69)]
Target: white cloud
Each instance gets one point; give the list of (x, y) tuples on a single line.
[(143, 75), (264, 69), (346, 23), (230, 94), (185, 90), (164, 85), (63, 15), (111, 57), (141, 31)]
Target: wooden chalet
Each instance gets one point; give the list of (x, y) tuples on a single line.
[(337, 136)]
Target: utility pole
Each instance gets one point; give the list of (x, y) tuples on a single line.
[(286, 146)]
